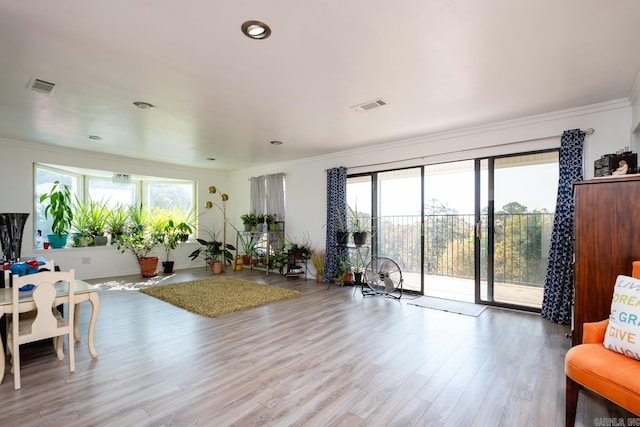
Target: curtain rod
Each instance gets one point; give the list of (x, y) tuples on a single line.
[(587, 131)]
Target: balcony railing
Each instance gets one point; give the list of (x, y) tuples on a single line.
[(521, 245)]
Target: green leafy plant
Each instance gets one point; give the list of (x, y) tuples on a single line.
[(97, 216), (80, 221), (357, 223), (59, 208), (248, 243), (117, 221), (213, 250), (300, 249), (278, 259), (318, 258), (139, 241)]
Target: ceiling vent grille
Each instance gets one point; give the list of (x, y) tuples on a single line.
[(369, 105), (41, 86)]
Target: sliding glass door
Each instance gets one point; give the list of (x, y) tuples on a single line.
[(518, 196), (449, 230), (474, 230)]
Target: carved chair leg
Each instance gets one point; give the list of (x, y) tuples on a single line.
[(572, 390)]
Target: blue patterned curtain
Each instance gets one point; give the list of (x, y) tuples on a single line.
[(558, 285), (336, 209)]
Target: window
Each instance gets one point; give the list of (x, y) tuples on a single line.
[(88, 184), (112, 193), (268, 195)]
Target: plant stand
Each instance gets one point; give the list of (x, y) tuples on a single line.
[(294, 269)]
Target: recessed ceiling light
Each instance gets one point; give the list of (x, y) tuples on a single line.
[(256, 30), (95, 137), (275, 142), (143, 105)]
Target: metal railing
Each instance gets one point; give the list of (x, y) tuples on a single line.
[(521, 245)]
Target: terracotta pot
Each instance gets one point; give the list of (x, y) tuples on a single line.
[(216, 267), (246, 259), (319, 278), (148, 266)]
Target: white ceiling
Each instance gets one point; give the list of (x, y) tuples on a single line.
[(440, 65)]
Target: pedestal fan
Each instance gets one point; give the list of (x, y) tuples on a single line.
[(382, 277)]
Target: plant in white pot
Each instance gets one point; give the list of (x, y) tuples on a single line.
[(59, 208)]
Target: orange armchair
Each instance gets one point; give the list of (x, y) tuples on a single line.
[(607, 373)]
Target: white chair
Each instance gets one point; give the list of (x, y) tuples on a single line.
[(28, 325)]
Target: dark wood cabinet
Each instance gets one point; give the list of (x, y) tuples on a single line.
[(607, 241)]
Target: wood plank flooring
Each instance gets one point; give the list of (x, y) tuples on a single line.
[(327, 358)]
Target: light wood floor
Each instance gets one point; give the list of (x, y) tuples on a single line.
[(326, 358)]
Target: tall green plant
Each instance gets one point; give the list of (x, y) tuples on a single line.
[(59, 208)]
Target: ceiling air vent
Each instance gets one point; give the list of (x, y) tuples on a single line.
[(369, 105), (41, 86)]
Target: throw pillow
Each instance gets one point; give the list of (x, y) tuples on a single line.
[(623, 331)]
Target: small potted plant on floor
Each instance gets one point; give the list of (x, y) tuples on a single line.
[(318, 258), (170, 236), (345, 269), (59, 208), (214, 253), (140, 241), (248, 244)]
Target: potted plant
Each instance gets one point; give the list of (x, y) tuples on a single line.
[(318, 258), (80, 224), (278, 259), (170, 236), (185, 222), (97, 213), (140, 243), (139, 240), (248, 244), (342, 231), (358, 227), (300, 250), (59, 209), (247, 220), (214, 253), (117, 221), (345, 269)]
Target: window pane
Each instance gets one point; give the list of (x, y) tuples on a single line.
[(44, 181), (169, 195), (112, 194)]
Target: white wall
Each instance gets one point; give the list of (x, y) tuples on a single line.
[(305, 179)]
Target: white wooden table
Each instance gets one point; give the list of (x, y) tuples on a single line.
[(83, 292)]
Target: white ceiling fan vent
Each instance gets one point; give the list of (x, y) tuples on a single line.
[(41, 86), (366, 106)]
